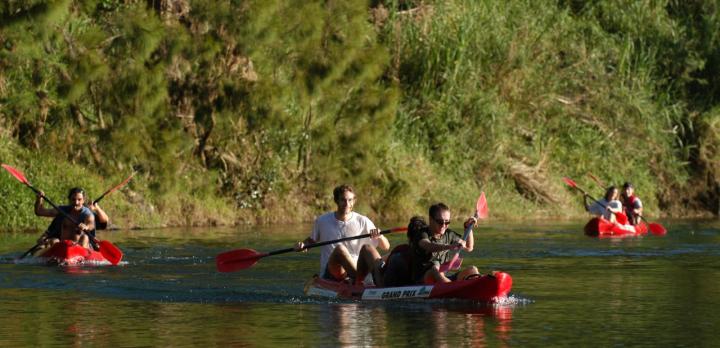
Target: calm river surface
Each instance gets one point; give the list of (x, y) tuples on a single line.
[(568, 290)]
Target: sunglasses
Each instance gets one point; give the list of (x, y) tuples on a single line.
[(442, 222)]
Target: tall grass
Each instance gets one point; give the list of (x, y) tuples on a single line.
[(233, 110)]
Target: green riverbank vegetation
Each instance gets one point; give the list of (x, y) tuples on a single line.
[(244, 111)]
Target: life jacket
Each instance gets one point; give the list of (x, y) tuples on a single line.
[(629, 207), (397, 270)]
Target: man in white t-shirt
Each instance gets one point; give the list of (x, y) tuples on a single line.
[(340, 261)]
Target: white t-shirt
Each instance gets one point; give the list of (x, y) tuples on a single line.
[(327, 227), (600, 208)]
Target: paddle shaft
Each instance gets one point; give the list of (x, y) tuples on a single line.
[(30, 251), (593, 198), (314, 245), (397, 229), (113, 189)]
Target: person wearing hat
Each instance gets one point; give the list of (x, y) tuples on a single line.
[(631, 204)]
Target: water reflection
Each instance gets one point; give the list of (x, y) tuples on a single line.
[(633, 292), (439, 324)]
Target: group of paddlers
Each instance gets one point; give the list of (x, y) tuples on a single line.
[(420, 261), (623, 207)]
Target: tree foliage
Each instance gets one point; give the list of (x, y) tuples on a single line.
[(268, 103)]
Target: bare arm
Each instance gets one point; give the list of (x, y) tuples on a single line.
[(102, 217), (88, 224), (40, 209), (470, 242), (383, 243)]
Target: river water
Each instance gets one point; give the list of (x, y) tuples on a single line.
[(568, 290)]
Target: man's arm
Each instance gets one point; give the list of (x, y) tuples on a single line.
[(88, 224), (40, 209), (383, 243), (102, 217), (470, 242)]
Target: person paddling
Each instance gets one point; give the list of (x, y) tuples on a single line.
[(607, 207), (631, 204), (53, 231), (340, 261), (67, 228), (430, 247)]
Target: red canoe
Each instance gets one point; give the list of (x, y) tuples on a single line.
[(486, 288), (598, 227), (68, 253)]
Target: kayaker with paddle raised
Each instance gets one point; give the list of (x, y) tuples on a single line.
[(430, 247), (68, 230), (53, 231), (633, 206), (340, 261)]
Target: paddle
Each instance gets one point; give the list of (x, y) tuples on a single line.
[(481, 212), (114, 188), (655, 228), (107, 249), (97, 244), (621, 217), (239, 259)]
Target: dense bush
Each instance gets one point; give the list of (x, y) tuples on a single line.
[(236, 110)]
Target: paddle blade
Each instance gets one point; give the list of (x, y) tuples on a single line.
[(110, 252), (235, 260), (481, 207), (453, 264), (657, 229), (570, 182), (16, 173)]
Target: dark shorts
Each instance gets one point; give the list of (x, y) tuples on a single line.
[(329, 276)]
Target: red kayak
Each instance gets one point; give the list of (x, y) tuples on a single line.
[(68, 253), (486, 288), (598, 227)]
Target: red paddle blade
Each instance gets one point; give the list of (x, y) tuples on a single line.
[(110, 252), (448, 265), (452, 265), (481, 207), (235, 260), (16, 173), (456, 262), (657, 229), (570, 182)]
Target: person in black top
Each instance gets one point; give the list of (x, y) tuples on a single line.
[(430, 248)]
